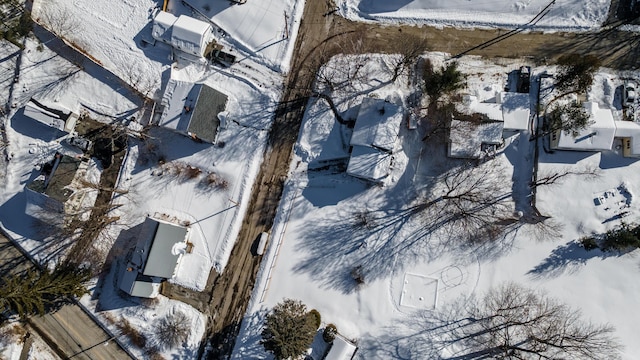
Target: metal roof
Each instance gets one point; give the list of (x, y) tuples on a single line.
[(162, 260)]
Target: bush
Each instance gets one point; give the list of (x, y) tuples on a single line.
[(215, 181), (171, 331), (589, 243), (315, 315), (329, 333), (192, 172), (357, 275), (132, 333)]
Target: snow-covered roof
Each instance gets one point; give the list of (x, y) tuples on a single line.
[(467, 137), (598, 136), (377, 124), (369, 163), (629, 130), (162, 26), (190, 35), (57, 117), (203, 104), (341, 349), (515, 110), (493, 111), (510, 107), (163, 258)]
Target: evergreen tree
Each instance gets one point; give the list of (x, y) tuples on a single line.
[(36, 292), (443, 81), (576, 72), (289, 329), (571, 118)]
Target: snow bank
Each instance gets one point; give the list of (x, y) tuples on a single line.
[(543, 15)]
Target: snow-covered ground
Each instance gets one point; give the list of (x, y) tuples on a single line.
[(12, 341), (318, 239), (534, 14), (149, 187), (263, 31), (314, 244)]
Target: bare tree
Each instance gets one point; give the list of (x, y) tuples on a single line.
[(171, 331), (466, 199), (514, 322), (410, 50)]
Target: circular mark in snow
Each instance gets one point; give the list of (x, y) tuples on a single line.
[(452, 276)]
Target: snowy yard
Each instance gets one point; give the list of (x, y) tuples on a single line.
[(333, 228), (366, 256)]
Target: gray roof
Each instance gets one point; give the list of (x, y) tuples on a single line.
[(204, 118), (162, 261), (63, 171)]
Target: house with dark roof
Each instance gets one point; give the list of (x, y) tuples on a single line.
[(160, 247), (192, 109), (58, 187)]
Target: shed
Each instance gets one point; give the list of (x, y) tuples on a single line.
[(598, 136), (56, 117), (191, 35)]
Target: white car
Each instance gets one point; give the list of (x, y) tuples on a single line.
[(629, 94)]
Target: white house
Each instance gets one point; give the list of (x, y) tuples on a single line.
[(160, 248), (183, 33), (57, 117), (375, 134), (598, 136), (601, 134)]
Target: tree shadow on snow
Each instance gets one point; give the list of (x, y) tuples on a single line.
[(567, 259)]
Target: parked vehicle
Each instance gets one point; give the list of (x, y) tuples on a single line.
[(262, 243), (629, 93)]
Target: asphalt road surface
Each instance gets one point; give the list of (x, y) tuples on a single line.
[(70, 332)]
